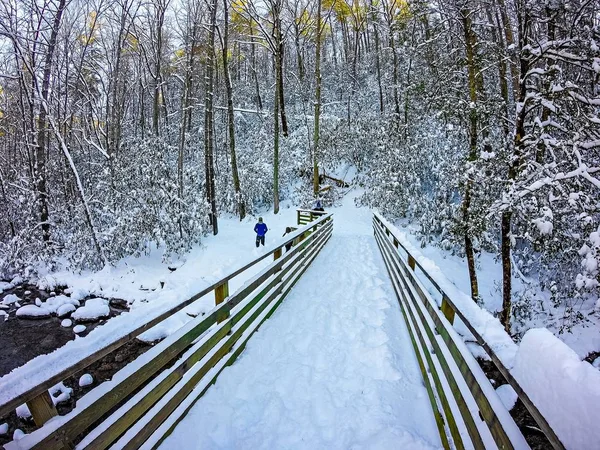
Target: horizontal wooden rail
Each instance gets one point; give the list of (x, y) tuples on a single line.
[(197, 339), (433, 326)]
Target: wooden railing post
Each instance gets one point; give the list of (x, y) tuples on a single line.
[(221, 293), (395, 243), (277, 254), (42, 408), (411, 262), (447, 310)]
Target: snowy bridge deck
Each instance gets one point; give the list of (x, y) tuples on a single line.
[(338, 365)]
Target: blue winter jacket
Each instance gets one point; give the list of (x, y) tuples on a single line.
[(260, 229)]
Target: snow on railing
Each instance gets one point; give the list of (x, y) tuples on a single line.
[(435, 310), (204, 346)]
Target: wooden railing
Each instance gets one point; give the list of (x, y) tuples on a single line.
[(305, 216), (461, 395), (144, 401)]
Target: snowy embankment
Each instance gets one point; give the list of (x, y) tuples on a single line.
[(565, 389), (332, 368), (150, 289)]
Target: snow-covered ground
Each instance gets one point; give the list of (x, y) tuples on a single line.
[(139, 281), (332, 368)]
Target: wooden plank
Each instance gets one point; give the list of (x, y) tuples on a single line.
[(411, 262), (42, 408), (221, 293), (127, 417), (162, 415), (237, 352), (487, 412), (411, 322), (529, 405), (468, 418), (92, 412), (439, 418)]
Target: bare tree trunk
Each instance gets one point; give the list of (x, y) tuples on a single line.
[(377, 60), (186, 107), (230, 115), (255, 73), (209, 119), (470, 43), (317, 102), (41, 150), (161, 7), (281, 47), (395, 74), (510, 42)]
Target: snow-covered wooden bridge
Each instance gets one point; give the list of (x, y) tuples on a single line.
[(364, 353)]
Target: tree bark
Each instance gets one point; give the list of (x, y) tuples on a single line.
[(470, 44), (230, 115), (209, 120), (41, 150), (316, 133)]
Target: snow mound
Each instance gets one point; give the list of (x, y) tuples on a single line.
[(18, 435), (565, 389), (23, 411), (5, 286), (54, 304), (507, 395), (10, 299), (79, 329), (32, 312), (85, 380), (65, 310), (3, 428), (66, 323), (94, 309)]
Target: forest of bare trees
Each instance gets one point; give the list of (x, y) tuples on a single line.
[(130, 123)]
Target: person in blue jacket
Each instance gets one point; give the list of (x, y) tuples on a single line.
[(260, 229)]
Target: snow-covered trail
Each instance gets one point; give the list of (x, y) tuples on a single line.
[(332, 368)]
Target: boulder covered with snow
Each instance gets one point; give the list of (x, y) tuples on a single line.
[(93, 310), (32, 312), (65, 310), (54, 304), (565, 389), (5, 286), (10, 299), (79, 329)]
